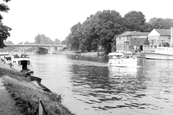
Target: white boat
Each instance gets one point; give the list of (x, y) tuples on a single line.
[(122, 60), (3, 54), (164, 53), (22, 63), (158, 51), (7, 59)]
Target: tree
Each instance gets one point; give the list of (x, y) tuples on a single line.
[(42, 39), (20, 43), (133, 20), (28, 42), (109, 24), (64, 42), (97, 30), (74, 37), (147, 27), (8, 42), (160, 23), (56, 41), (4, 30)]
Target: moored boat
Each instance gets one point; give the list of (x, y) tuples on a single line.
[(162, 53), (7, 59), (122, 60), (22, 63), (160, 45), (3, 54)]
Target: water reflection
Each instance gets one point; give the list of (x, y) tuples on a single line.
[(113, 70), (107, 90), (91, 87)]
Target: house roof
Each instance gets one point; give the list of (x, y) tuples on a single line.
[(127, 33), (133, 33), (163, 31)]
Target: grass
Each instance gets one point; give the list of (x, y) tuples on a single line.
[(26, 95)]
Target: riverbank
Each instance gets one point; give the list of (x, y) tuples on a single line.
[(7, 106), (26, 94)]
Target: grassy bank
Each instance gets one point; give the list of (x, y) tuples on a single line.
[(27, 94)]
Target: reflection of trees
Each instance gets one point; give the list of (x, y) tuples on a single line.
[(96, 82), (93, 76)]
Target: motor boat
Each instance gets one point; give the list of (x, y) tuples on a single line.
[(22, 63), (122, 60)]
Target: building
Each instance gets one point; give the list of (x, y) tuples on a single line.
[(158, 37), (131, 41)]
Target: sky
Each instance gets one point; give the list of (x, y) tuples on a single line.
[(54, 18)]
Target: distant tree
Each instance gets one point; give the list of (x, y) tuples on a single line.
[(8, 42), (133, 20), (160, 23), (65, 41), (147, 27), (42, 39), (74, 37), (56, 41), (37, 39), (28, 42), (20, 43), (4, 30)]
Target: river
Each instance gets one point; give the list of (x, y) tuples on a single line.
[(89, 87)]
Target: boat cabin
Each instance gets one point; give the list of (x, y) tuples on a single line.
[(115, 55), (23, 63), (7, 59)]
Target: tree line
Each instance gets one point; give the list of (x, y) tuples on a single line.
[(99, 30), (39, 39), (4, 30), (96, 31)]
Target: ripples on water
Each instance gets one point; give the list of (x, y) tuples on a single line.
[(91, 87)]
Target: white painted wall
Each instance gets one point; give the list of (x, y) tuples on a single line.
[(153, 33)]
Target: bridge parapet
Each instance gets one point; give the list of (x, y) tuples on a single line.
[(49, 47), (35, 45)]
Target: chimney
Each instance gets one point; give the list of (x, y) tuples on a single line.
[(171, 39)]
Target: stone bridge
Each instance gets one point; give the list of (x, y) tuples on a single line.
[(49, 48)]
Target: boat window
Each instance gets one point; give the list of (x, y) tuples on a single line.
[(19, 62), (28, 62)]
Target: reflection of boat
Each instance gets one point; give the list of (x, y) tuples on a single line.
[(21, 62), (122, 60), (123, 70)]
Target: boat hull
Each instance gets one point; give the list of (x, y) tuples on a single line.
[(158, 56), (123, 62)]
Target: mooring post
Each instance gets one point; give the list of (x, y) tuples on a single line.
[(40, 107)]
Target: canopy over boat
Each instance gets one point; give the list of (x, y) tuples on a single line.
[(115, 54)]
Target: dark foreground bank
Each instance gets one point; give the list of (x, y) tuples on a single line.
[(26, 94)]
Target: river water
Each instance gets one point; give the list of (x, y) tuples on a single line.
[(89, 87)]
